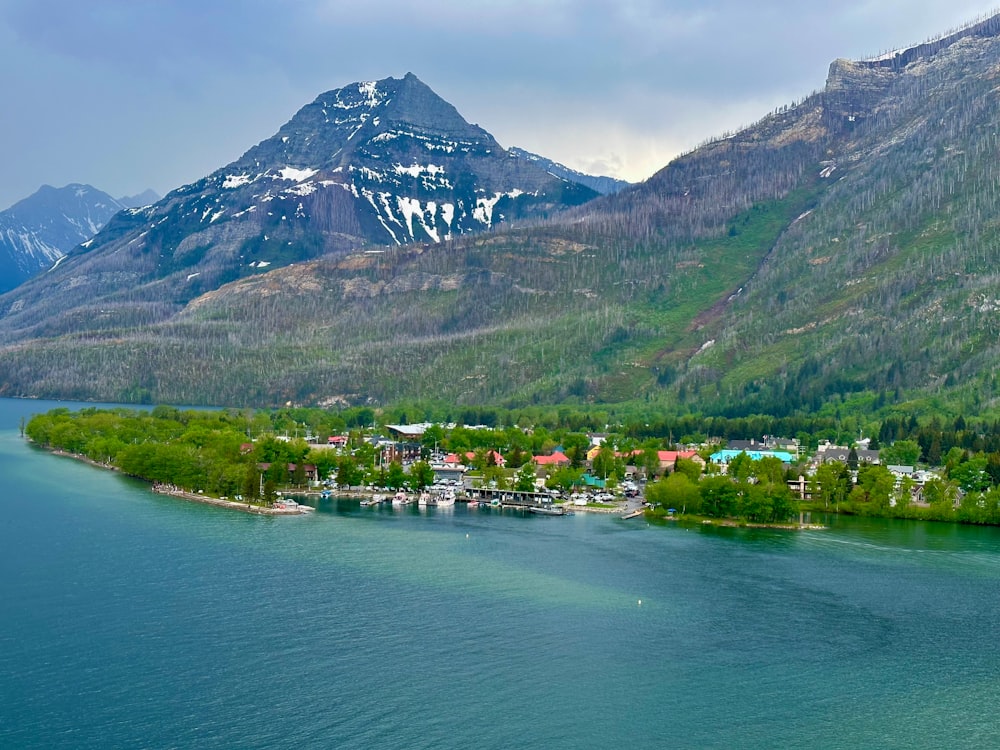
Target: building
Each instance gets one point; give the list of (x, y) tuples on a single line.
[(497, 459), (829, 452), (767, 443), (409, 431), (668, 459), (557, 459), (723, 457)]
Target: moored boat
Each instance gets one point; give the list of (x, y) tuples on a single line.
[(547, 510)]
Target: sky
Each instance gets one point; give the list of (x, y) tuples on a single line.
[(133, 94)]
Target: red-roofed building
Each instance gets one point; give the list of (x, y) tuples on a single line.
[(668, 459), (498, 460), (556, 459), (337, 440)]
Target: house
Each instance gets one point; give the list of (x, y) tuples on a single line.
[(828, 452), (767, 443), (497, 459), (557, 459), (337, 441), (668, 459), (312, 473)]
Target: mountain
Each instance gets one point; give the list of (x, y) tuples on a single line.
[(838, 256), (602, 185), (145, 198), (37, 231), (371, 164)]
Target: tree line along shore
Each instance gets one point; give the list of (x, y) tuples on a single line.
[(250, 456)]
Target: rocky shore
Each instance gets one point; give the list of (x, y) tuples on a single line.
[(162, 489)]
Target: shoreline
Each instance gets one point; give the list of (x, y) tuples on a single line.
[(193, 497), (352, 494), (257, 510)]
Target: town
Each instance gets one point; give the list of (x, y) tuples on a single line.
[(267, 460)]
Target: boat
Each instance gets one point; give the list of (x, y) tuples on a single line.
[(400, 498), (426, 499), (446, 500), (547, 510)]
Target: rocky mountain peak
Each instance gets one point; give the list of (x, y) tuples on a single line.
[(37, 231), (373, 163)]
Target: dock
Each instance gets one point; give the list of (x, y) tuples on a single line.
[(633, 514), (512, 499)]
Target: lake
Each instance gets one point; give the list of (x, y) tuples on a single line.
[(129, 620)]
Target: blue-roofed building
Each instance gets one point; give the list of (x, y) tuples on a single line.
[(723, 457)]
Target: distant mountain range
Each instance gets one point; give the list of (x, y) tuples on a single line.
[(602, 185), (39, 230), (839, 256), (145, 198)]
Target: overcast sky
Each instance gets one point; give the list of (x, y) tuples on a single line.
[(134, 94)]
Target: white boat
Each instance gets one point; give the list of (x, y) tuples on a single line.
[(446, 500), (426, 499), (400, 498), (548, 510)]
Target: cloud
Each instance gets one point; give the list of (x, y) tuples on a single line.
[(129, 94)]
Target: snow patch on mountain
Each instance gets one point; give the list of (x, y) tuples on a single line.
[(294, 174), (233, 181), (302, 189), (483, 212)]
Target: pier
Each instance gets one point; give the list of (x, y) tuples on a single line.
[(510, 498)]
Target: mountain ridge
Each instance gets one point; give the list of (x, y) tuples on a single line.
[(838, 254), (602, 184)]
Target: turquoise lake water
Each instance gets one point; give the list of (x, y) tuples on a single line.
[(132, 620)]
